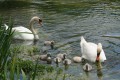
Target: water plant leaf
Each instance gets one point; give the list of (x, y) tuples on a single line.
[(34, 74), (23, 75)]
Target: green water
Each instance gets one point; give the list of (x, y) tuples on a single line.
[(65, 21)]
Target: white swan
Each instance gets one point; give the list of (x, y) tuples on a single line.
[(90, 50), (24, 33)]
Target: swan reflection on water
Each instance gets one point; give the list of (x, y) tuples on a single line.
[(99, 70), (24, 42)]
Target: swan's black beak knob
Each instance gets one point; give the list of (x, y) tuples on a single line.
[(40, 22)]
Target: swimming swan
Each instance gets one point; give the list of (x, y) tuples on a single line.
[(24, 33), (91, 51)]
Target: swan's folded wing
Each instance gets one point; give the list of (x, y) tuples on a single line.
[(22, 33), (89, 51), (21, 29)]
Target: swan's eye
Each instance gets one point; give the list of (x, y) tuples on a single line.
[(40, 20)]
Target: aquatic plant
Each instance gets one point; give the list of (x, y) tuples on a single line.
[(5, 41)]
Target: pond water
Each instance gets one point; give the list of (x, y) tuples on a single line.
[(65, 21)]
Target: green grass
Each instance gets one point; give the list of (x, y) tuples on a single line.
[(5, 41)]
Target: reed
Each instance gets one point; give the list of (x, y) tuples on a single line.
[(5, 41)]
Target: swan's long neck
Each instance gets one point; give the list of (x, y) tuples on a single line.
[(98, 57), (99, 48), (33, 30)]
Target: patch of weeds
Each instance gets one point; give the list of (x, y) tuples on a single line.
[(22, 49), (28, 66)]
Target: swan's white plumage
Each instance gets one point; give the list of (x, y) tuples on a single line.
[(24, 33), (89, 51)]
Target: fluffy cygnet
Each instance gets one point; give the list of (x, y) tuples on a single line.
[(49, 60), (49, 43), (87, 67), (45, 57), (77, 59), (57, 60), (62, 55), (67, 62)]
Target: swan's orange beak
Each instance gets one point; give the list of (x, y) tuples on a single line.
[(40, 22), (98, 57), (99, 48)]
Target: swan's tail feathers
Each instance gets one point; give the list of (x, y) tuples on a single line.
[(82, 40), (6, 26)]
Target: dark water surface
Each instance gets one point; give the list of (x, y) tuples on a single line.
[(65, 21)]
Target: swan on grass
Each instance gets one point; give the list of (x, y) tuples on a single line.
[(24, 33), (91, 51)]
